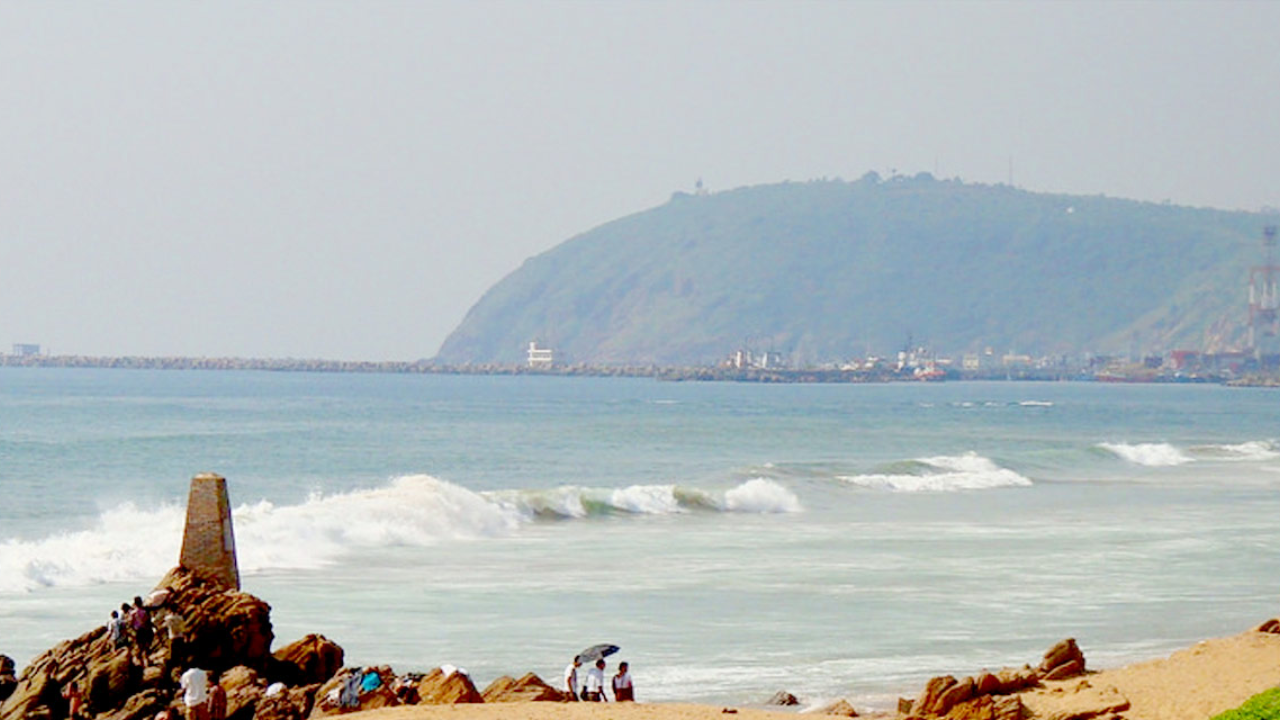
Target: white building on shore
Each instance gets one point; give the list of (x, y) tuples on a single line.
[(540, 357)]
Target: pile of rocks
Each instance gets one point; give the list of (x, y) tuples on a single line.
[(229, 634), (992, 696)]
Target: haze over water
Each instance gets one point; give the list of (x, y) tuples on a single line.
[(735, 540)]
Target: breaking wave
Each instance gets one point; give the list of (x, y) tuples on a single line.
[(1148, 454), (1253, 451), (947, 473), (1168, 455), (759, 495), (129, 543)]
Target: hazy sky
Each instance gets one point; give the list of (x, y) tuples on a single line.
[(344, 180)]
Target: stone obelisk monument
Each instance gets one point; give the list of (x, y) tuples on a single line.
[(208, 543)]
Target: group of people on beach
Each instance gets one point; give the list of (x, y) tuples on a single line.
[(592, 686)]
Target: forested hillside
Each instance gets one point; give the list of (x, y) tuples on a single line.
[(826, 270)]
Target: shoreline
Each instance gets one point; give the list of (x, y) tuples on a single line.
[(1193, 683)]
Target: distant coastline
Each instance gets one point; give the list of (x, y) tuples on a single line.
[(658, 372)]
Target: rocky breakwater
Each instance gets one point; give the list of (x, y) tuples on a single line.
[(992, 695)]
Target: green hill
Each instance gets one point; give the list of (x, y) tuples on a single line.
[(827, 270)]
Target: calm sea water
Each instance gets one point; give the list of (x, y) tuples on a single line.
[(734, 539)]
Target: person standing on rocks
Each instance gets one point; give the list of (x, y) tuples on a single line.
[(75, 701), (195, 693), (175, 628), (217, 701), (571, 679), (140, 624), (116, 631)]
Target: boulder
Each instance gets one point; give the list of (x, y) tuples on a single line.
[(111, 681), (1270, 626), (1007, 707), (142, 706), (309, 661), (244, 688), (927, 703), (326, 696), (279, 706), (988, 707), (439, 688), (1063, 654), (782, 698), (987, 684), (1014, 679), (529, 688), (840, 707), (960, 692), (225, 628), (1066, 670)]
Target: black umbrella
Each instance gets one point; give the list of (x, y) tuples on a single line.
[(594, 653)]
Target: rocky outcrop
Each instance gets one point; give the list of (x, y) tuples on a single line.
[(529, 688), (841, 708), (1062, 661), (313, 660), (447, 688), (783, 698), (225, 629), (347, 685), (992, 696)]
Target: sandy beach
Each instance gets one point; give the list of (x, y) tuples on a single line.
[(1192, 684)]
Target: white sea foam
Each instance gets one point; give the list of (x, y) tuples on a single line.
[(945, 473), (1148, 454), (761, 496), (1253, 451), (125, 543), (128, 543), (1036, 403), (754, 496)]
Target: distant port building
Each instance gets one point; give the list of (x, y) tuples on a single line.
[(539, 357), (26, 349)]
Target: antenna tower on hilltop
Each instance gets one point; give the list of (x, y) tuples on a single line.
[(1264, 303)]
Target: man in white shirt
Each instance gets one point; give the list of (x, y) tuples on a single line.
[(571, 679), (195, 692), (595, 683)]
